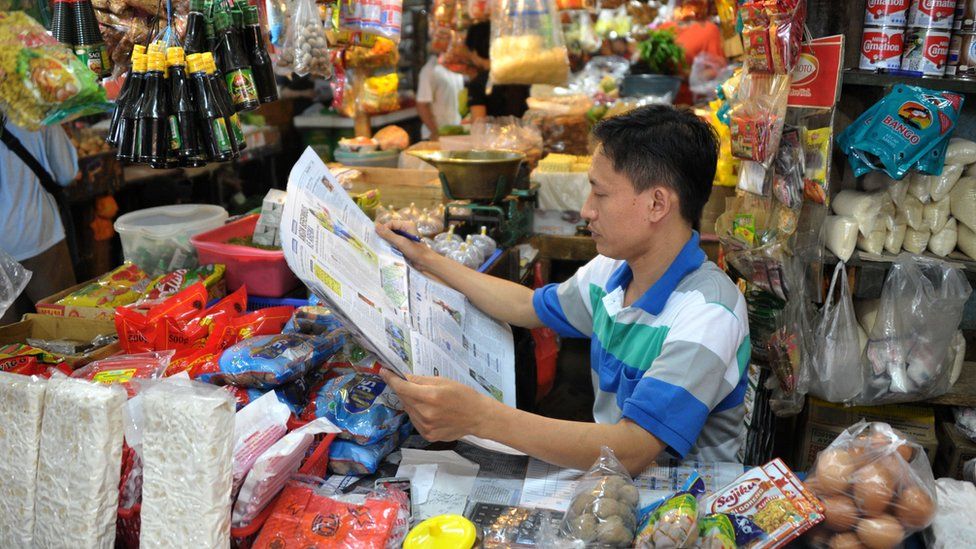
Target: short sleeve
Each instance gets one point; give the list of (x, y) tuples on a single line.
[(566, 307), (476, 90), (699, 369), (61, 154), (425, 93)]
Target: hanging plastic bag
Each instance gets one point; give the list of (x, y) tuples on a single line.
[(13, 279), (305, 52), (376, 94), (836, 368), (921, 307), (756, 117), (527, 43), (374, 17)]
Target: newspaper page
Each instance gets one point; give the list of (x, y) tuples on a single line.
[(413, 324)]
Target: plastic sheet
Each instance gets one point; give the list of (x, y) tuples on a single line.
[(305, 51), (13, 279), (953, 525), (920, 310), (836, 371)]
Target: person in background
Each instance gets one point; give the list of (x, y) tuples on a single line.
[(30, 222), (438, 90), (506, 100), (696, 34)]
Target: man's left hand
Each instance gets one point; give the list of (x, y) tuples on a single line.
[(440, 409)]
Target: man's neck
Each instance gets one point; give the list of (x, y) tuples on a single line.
[(651, 265)]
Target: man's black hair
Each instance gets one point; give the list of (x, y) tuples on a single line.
[(661, 145)]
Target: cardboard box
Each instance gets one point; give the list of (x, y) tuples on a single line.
[(400, 187), (955, 449), (50, 327), (49, 305), (826, 420)]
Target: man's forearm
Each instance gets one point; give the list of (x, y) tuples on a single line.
[(500, 299), (427, 117), (570, 444)]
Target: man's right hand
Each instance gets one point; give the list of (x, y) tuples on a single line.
[(415, 252)]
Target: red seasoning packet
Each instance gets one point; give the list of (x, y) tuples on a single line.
[(774, 499)]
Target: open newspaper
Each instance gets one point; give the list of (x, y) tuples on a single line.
[(413, 324)]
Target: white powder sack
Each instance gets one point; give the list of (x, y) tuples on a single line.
[(21, 408), (187, 450), (913, 212), (78, 465), (941, 185), (840, 235), (894, 239), (966, 240), (863, 207), (943, 242), (962, 201), (916, 241), (936, 214), (960, 151), (874, 242)]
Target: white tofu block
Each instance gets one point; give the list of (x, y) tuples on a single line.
[(78, 465), (187, 452), (21, 408)]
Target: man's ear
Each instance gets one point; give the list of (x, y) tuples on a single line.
[(659, 201)]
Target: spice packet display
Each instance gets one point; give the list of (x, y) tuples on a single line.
[(671, 521), (45, 82), (30, 361), (756, 116), (171, 283), (120, 286), (603, 511), (265, 362), (297, 520), (305, 51), (272, 469), (381, 18), (771, 34), (906, 130), (122, 369), (527, 43), (774, 499), (348, 458), (876, 485), (361, 405), (816, 148)]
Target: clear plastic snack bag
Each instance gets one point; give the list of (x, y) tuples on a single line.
[(758, 111), (527, 43), (836, 366), (305, 51), (13, 279), (376, 17), (876, 486), (603, 512), (921, 307)]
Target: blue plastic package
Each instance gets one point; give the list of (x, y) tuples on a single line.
[(266, 362), (728, 531), (360, 404), (312, 320), (908, 129), (348, 458)]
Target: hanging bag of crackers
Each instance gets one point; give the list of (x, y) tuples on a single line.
[(771, 34)]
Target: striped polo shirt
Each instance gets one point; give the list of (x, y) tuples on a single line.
[(674, 362)]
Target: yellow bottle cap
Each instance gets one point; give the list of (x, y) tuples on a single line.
[(175, 56), (139, 62), (194, 63), (157, 61), (442, 532), (138, 48)]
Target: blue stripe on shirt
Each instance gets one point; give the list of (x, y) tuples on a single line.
[(545, 301), (668, 412)]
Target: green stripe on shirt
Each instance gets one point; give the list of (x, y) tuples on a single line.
[(636, 345)]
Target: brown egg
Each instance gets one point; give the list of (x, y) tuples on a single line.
[(834, 468), (914, 507), (847, 540), (873, 488), (840, 513), (882, 532), (907, 452)]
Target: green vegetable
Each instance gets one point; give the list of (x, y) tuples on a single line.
[(661, 54), (249, 242)]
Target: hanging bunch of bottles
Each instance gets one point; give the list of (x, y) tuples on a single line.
[(179, 104), (73, 24)]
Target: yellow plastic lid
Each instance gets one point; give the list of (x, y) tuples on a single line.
[(138, 48), (175, 56), (139, 62), (442, 532), (156, 61), (195, 63)]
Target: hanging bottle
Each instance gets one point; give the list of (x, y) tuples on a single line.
[(196, 29), (123, 97), (126, 139), (212, 126), (153, 119), (261, 65), (234, 64), (182, 126), (88, 44), (234, 127)]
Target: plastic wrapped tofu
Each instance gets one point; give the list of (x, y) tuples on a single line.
[(187, 448), (79, 461), (21, 406)]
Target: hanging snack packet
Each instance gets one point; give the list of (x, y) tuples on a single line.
[(265, 362), (673, 521), (361, 405), (756, 117), (375, 17), (901, 131)]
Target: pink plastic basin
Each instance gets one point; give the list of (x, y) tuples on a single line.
[(264, 272)]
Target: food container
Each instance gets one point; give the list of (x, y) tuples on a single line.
[(264, 272), (374, 159), (158, 239), (475, 175)]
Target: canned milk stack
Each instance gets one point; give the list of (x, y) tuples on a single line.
[(962, 47), (883, 38), (927, 37)]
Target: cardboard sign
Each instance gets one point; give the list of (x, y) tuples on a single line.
[(816, 76)]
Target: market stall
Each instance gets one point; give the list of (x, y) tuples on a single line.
[(214, 377)]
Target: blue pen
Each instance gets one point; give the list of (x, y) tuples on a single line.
[(407, 235)]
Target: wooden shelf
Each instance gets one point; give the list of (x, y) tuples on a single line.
[(963, 393), (856, 77)]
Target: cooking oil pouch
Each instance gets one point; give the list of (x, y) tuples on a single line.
[(900, 130)]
